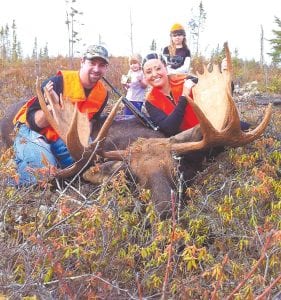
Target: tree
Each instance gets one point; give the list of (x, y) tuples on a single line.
[(262, 64), (100, 39), (153, 46), (262, 47), (10, 47), (216, 53), (35, 49), (72, 22), (3, 47), (46, 51), (276, 43), (196, 25), (16, 45), (43, 53), (131, 33), (5, 42)]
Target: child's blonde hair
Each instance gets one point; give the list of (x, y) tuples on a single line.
[(135, 58)]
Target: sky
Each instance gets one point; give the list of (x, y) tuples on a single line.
[(237, 22)]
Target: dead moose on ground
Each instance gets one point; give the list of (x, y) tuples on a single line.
[(149, 155)]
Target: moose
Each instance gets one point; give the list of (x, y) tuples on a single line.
[(150, 155)]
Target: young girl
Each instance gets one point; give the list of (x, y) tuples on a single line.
[(134, 83), (177, 53)]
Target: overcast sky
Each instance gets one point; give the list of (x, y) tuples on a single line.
[(238, 22)]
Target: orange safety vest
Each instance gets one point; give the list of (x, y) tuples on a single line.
[(73, 91), (21, 114), (162, 102)]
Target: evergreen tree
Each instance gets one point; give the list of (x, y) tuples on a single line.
[(46, 51), (15, 54), (5, 42), (2, 44), (19, 50), (35, 49), (41, 55), (276, 43), (153, 45)]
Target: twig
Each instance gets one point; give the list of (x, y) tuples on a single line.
[(263, 254), (139, 287), (170, 247), (64, 219), (78, 192), (83, 168), (70, 183), (73, 278), (225, 260), (268, 289)]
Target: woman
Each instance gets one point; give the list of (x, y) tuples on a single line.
[(177, 53), (166, 102)]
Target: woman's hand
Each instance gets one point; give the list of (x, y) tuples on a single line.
[(187, 86), (224, 64)]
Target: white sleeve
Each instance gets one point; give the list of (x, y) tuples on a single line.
[(184, 69), (171, 70)]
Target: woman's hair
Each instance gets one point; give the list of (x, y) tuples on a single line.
[(172, 46), (154, 55)]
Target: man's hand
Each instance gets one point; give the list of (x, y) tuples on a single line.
[(50, 88)]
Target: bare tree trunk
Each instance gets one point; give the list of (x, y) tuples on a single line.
[(131, 32), (262, 65), (262, 47)]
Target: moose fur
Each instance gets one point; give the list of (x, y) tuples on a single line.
[(6, 123), (154, 168)]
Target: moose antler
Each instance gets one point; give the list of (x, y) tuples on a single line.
[(65, 118), (217, 115)]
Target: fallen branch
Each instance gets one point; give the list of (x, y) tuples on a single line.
[(268, 289)]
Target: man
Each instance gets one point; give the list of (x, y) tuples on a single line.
[(37, 145)]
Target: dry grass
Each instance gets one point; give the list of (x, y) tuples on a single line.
[(83, 242)]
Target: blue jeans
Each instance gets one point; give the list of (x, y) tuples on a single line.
[(137, 104), (61, 154), (32, 151)]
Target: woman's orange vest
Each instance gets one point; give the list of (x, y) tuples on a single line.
[(162, 102), (73, 91)]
